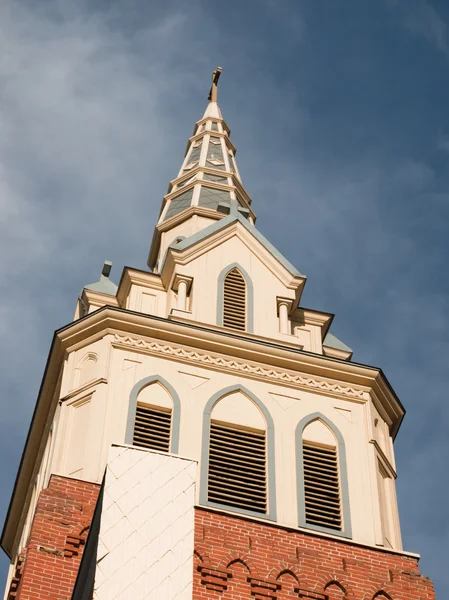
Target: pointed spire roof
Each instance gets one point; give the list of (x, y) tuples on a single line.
[(208, 182), (209, 175)]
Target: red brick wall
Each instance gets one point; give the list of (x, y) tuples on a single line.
[(235, 558), (240, 559), (56, 542)]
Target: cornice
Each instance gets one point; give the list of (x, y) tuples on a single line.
[(336, 353), (254, 371), (98, 298), (245, 347), (254, 356), (313, 317), (216, 119), (201, 134), (87, 387), (186, 214), (131, 277)]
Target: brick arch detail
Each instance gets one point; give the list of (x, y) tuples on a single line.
[(284, 569), (237, 557), (382, 594), (326, 579), (202, 558), (384, 590), (343, 585)]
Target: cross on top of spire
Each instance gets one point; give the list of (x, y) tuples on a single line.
[(214, 87)]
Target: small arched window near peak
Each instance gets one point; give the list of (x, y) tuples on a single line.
[(322, 480), (153, 419), (234, 301)]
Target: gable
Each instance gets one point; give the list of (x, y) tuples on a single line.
[(252, 242)]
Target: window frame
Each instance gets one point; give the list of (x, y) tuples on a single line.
[(270, 457), (346, 530), (175, 413), (249, 298)]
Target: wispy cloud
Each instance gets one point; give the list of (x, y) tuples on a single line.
[(97, 104), (422, 19)]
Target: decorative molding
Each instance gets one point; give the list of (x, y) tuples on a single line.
[(384, 459), (344, 412), (83, 388), (193, 380), (263, 589), (230, 364), (287, 301), (214, 579), (284, 401), (178, 278), (302, 593)]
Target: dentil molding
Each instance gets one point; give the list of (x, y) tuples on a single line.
[(230, 364)]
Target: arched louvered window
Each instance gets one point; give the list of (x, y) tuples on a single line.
[(237, 467), (152, 427), (151, 424), (237, 472), (322, 485), (323, 498), (234, 301)]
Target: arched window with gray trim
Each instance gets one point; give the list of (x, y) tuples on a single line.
[(235, 299), (237, 465), (323, 497), (154, 415)]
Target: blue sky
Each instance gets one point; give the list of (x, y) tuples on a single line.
[(339, 114)]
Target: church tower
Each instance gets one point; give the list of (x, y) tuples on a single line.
[(200, 435)]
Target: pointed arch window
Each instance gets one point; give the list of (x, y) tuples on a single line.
[(154, 416), (237, 471), (323, 498), (152, 427), (237, 466), (321, 485), (234, 301)]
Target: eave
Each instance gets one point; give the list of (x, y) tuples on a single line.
[(314, 317), (336, 353), (131, 276), (173, 222), (199, 337), (216, 234)]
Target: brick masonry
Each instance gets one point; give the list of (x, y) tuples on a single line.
[(50, 562), (239, 559), (235, 557)]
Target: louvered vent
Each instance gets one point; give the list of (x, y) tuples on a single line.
[(322, 486), (234, 301), (237, 467), (152, 427)]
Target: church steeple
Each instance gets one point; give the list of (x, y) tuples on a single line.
[(208, 185)]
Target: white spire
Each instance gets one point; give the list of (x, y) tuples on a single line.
[(208, 183), (212, 111)]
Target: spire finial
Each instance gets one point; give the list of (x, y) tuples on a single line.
[(213, 90)]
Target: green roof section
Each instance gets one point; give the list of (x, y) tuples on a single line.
[(232, 218), (104, 285), (333, 342)]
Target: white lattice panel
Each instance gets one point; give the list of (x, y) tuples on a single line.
[(145, 548)]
